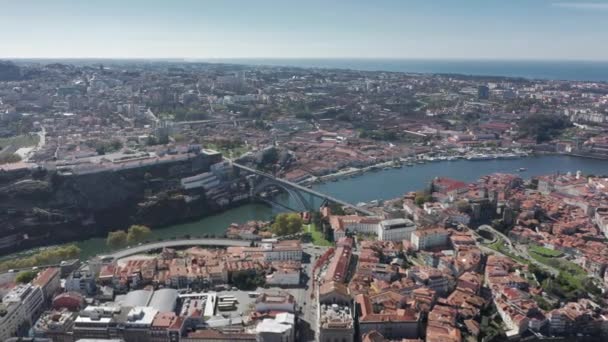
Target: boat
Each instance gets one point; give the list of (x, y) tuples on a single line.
[(409, 164), (522, 169), (480, 157), (510, 156)]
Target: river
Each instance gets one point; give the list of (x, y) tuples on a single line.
[(384, 184)]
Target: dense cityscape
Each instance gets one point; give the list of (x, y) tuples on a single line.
[(118, 150)]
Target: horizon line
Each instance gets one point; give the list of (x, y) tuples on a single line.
[(201, 59)]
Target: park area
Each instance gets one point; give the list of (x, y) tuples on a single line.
[(571, 283), (317, 236), (545, 252)]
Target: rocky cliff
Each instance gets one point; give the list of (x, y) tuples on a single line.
[(39, 207)]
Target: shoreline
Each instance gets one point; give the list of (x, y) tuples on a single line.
[(243, 212)]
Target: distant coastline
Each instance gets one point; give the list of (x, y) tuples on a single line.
[(594, 71), (567, 70)]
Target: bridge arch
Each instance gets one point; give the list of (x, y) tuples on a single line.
[(293, 193)]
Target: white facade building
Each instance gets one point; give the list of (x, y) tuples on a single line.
[(395, 230), (28, 296), (283, 302), (279, 329), (429, 238), (12, 316)]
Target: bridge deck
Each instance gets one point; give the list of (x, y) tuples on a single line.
[(303, 189)]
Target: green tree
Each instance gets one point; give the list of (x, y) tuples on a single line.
[(116, 239), (9, 158), (336, 209), (286, 224), (48, 256), (26, 276), (422, 197), (137, 233)]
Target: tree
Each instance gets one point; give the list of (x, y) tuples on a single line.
[(137, 233), (9, 158), (336, 209), (286, 224), (543, 127), (26, 276), (422, 197), (116, 239)]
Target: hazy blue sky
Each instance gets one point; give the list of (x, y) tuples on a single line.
[(503, 29)]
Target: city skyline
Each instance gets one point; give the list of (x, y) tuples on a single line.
[(523, 30)]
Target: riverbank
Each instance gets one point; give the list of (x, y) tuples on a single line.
[(384, 184), (422, 158)]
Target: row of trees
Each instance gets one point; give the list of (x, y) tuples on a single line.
[(48, 256), (120, 238)]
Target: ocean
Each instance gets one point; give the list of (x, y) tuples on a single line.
[(595, 71)]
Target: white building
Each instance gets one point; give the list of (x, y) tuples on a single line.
[(283, 302), (30, 298), (353, 224), (12, 316), (283, 250), (205, 180), (279, 329), (395, 230), (429, 238)]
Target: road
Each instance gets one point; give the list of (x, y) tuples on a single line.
[(309, 304), (521, 251), (175, 243)]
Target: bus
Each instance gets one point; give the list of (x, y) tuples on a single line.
[(254, 294), (226, 306)]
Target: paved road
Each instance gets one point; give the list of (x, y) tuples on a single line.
[(521, 251), (309, 310), (176, 243)]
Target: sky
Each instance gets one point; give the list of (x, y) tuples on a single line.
[(206, 29)]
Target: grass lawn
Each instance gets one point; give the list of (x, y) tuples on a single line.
[(317, 236), (558, 263), (546, 252)]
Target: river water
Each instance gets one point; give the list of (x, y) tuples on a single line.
[(384, 184)]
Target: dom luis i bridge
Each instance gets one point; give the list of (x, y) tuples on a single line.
[(262, 182)]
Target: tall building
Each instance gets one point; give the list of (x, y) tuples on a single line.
[(12, 319), (483, 92), (49, 282), (30, 298)]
